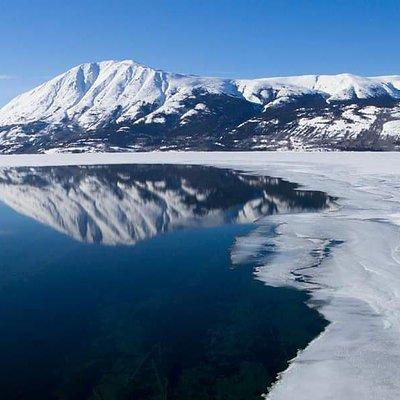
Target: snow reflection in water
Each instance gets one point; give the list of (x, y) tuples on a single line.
[(167, 318)]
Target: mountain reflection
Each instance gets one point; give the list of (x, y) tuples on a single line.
[(123, 204)]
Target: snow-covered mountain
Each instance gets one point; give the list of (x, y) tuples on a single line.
[(124, 204), (123, 105)]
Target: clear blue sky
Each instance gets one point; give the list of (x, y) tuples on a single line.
[(233, 38)]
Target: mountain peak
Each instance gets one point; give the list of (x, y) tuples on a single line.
[(124, 95)]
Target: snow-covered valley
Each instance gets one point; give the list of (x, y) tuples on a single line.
[(347, 257)]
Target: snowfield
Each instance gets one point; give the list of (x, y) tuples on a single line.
[(347, 257)]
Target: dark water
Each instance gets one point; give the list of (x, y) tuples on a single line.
[(116, 283)]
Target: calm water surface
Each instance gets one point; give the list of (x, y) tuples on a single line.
[(116, 283)]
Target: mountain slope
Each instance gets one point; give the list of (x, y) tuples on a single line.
[(123, 105)]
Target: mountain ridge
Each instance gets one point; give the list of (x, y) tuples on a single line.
[(124, 105)]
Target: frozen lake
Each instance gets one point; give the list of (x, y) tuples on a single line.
[(346, 256)]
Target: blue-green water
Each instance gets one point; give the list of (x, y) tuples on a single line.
[(93, 308)]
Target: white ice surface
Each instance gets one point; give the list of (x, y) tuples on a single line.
[(347, 257)]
